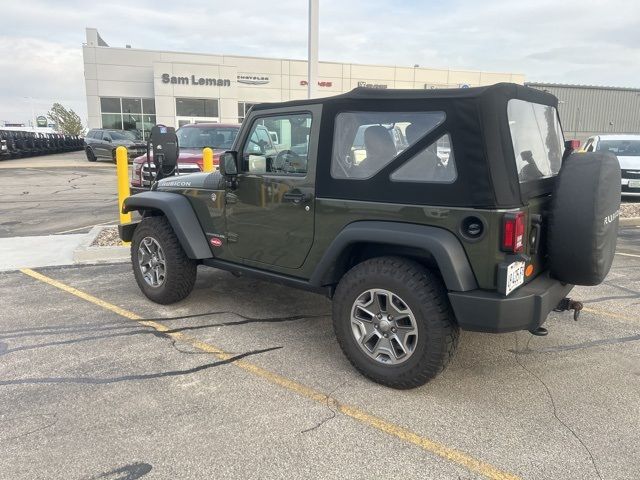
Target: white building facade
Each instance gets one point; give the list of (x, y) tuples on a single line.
[(134, 89)]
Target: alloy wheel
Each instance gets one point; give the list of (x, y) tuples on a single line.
[(152, 262), (384, 326)]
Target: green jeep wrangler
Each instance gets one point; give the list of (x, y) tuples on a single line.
[(419, 213)]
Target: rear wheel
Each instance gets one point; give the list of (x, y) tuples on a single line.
[(162, 269), (394, 323), (90, 155)]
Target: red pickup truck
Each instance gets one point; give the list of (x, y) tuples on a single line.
[(192, 139)]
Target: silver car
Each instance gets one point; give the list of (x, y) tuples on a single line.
[(627, 149)]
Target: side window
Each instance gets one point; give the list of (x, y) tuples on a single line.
[(365, 142), (278, 145), (434, 164)]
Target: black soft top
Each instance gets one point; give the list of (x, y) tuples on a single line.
[(497, 91), (476, 120)]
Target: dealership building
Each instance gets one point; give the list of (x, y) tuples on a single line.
[(134, 89)]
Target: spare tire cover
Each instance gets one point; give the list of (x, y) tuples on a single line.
[(583, 225)]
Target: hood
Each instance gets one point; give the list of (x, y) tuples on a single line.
[(187, 155), (127, 143), (629, 163)]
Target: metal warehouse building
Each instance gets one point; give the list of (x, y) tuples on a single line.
[(587, 110)]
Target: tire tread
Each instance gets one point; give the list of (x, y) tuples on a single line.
[(431, 293)]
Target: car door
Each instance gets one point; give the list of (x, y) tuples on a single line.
[(270, 211)]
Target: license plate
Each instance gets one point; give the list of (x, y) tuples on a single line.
[(634, 183), (515, 276)]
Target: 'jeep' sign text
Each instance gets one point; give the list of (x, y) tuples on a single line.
[(192, 80)]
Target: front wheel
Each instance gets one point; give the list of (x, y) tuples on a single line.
[(90, 155), (163, 271), (393, 321)]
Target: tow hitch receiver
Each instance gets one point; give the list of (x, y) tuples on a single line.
[(568, 304)]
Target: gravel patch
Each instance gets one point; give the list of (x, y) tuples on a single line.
[(108, 237), (630, 210)]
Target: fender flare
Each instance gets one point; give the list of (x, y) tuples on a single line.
[(181, 216), (441, 244)]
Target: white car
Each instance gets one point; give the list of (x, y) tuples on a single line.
[(627, 149)]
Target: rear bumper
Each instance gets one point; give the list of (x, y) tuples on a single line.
[(525, 309)]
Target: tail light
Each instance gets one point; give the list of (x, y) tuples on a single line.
[(136, 174), (572, 144), (513, 232)]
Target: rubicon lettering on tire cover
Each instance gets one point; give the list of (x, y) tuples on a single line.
[(366, 198), (610, 218)]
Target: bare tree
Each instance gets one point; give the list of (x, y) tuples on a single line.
[(67, 121)]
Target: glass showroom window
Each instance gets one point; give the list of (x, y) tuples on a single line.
[(243, 109), (134, 114), (196, 107)]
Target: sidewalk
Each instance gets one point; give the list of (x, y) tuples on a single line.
[(57, 250), (38, 251)]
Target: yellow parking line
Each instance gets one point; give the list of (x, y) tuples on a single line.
[(404, 434)]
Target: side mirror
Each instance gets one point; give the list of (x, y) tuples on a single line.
[(107, 139), (229, 163)]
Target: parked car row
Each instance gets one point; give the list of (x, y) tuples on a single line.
[(17, 143)]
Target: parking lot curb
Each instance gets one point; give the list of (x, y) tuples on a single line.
[(630, 222), (88, 254)]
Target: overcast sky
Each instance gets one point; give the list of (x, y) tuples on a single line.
[(592, 42)]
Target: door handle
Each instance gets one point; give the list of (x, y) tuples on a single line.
[(295, 197)]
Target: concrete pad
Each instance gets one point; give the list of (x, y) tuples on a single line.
[(38, 251)]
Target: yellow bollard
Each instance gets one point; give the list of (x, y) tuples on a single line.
[(207, 160), (122, 171)]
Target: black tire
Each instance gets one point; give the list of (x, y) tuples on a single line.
[(425, 295), (180, 270), (90, 155)]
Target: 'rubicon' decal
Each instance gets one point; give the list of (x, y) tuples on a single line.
[(175, 183), (610, 218)]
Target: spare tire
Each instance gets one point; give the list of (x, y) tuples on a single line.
[(583, 224)]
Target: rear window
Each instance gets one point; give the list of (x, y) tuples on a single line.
[(538, 142), (621, 148)]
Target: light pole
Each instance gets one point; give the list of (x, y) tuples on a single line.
[(33, 115), (312, 57)]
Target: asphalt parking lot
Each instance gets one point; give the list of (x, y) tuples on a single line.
[(244, 379), (62, 193)]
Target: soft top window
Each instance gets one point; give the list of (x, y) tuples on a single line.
[(365, 142), (538, 142)]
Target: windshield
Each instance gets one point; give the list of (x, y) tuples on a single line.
[(538, 142), (124, 135), (200, 137), (621, 148)]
